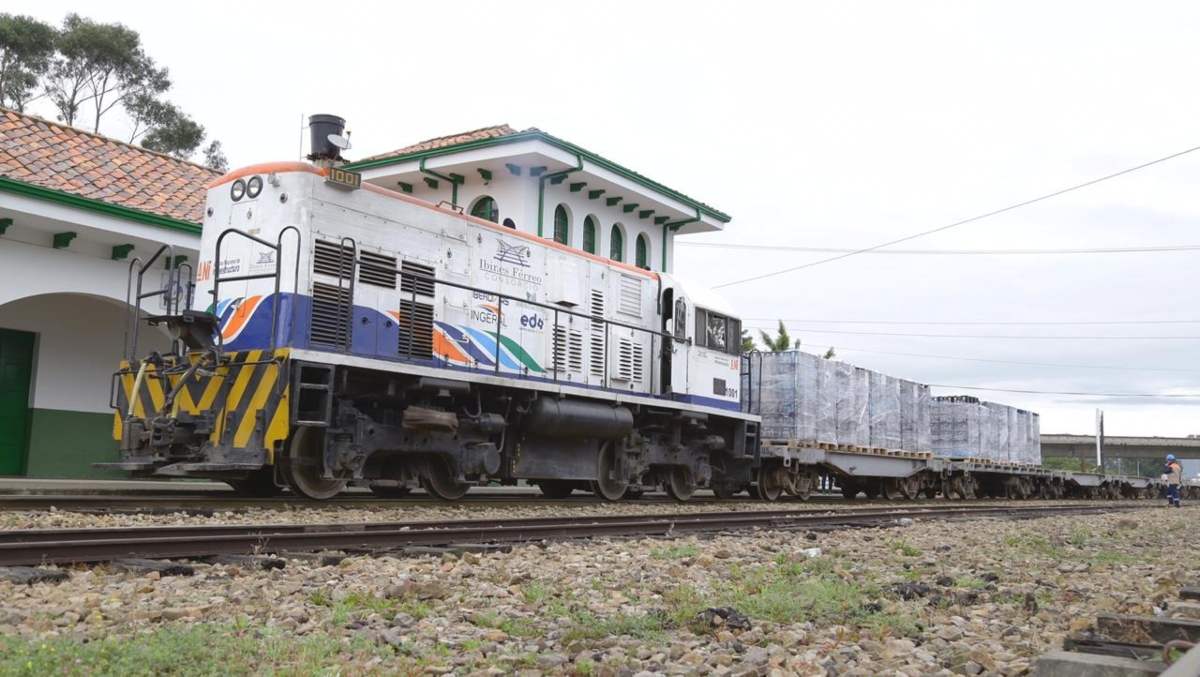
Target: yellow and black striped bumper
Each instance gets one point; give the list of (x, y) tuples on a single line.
[(246, 398)]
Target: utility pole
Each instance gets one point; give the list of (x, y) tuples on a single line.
[(1100, 439)]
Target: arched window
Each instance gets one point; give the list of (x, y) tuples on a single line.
[(485, 208), (616, 244), (562, 225), (643, 252), (589, 235)]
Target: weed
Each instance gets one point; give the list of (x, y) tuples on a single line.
[(679, 551), (905, 548)]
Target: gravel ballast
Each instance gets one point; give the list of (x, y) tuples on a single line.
[(967, 597)]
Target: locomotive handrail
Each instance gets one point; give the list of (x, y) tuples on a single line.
[(133, 299), (276, 247)]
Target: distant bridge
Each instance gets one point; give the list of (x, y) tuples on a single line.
[(1146, 453)]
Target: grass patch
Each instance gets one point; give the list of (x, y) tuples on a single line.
[(201, 649), (514, 627), (970, 583), (905, 548), (1079, 537), (586, 625), (356, 604), (535, 592), (680, 551)]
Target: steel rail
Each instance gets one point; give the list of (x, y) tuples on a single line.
[(61, 546)]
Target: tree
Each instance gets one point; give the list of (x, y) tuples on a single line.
[(103, 64), (747, 341), (214, 157), (26, 48), (174, 133), (780, 342)]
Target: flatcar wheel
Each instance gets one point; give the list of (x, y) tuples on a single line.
[(302, 470), (724, 491), (389, 490), (849, 491), (260, 484), (441, 481), (770, 483), (556, 488), (910, 488), (609, 485), (872, 491), (634, 493), (680, 485)]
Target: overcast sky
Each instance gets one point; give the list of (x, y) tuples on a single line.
[(813, 124)]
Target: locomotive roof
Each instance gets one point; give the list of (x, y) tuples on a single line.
[(504, 134), (293, 166)]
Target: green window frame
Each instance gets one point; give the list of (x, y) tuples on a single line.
[(562, 225), (616, 244), (642, 252), (589, 235), (485, 208)]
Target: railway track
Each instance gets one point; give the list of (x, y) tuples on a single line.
[(65, 546)]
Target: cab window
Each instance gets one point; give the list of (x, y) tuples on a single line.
[(718, 332)]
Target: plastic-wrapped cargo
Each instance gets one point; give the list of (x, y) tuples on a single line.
[(850, 405), (909, 418), (991, 419), (861, 382), (923, 435), (956, 427), (885, 411), (1034, 453), (826, 414), (786, 386), (1005, 452)]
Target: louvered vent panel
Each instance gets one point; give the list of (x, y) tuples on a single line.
[(409, 279), (330, 321), (377, 269), (630, 301), (568, 349), (596, 337), (416, 329), (328, 255), (629, 360)]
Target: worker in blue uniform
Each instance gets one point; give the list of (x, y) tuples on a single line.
[(1174, 479)]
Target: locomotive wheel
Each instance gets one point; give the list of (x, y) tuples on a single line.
[(770, 483), (802, 486), (389, 491), (556, 488), (441, 482), (609, 486), (302, 470), (260, 484), (679, 484)]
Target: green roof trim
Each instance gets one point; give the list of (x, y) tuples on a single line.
[(4, 224), (63, 240), (553, 141), (79, 202), (593, 194), (610, 201), (121, 251)]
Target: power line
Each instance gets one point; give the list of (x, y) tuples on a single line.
[(994, 212), (973, 322), (993, 336), (1068, 392), (947, 252), (1016, 362)]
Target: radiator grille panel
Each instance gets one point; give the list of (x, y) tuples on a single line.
[(377, 269), (330, 322), (327, 256), (568, 349), (416, 329), (409, 282), (630, 301), (596, 337), (629, 360)]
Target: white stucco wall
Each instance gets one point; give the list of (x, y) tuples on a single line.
[(79, 345), (517, 198)]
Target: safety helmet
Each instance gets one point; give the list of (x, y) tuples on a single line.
[(1170, 457)]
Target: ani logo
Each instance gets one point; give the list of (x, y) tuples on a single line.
[(517, 254)]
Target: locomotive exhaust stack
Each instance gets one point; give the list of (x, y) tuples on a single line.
[(327, 139)]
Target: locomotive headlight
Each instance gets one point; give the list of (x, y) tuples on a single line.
[(237, 190), (254, 186)]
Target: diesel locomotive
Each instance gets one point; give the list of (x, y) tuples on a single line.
[(337, 332)]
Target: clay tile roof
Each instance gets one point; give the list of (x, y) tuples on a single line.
[(60, 157), (493, 132)]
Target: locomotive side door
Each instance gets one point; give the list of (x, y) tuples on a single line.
[(675, 312)]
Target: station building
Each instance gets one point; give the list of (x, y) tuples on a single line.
[(76, 208)]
